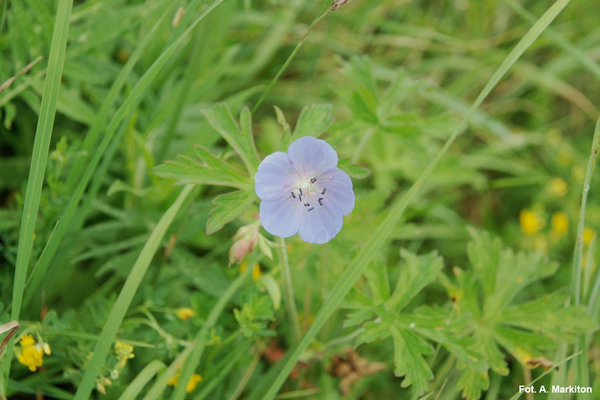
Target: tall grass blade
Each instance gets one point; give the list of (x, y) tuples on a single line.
[(133, 99), (581, 362), (201, 338), (120, 307), (41, 146)]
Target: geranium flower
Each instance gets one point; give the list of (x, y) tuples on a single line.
[(303, 191)]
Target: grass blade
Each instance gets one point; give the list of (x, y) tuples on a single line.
[(202, 337), (124, 111), (41, 145), (377, 240), (141, 380), (120, 307)]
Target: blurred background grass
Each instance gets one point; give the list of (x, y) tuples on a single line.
[(399, 75)]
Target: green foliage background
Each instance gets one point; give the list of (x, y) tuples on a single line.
[(127, 175)]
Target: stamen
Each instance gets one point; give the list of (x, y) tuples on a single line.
[(310, 209), (300, 190), (293, 195), (306, 204), (300, 198), (324, 189), (320, 201), (313, 180)]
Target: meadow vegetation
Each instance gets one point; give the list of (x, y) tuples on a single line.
[(133, 261)]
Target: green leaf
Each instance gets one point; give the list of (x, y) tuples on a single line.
[(378, 282), (373, 331), (420, 270), (314, 120), (228, 207), (222, 120), (254, 316), (523, 345), (354, 170), (515, 272), (282, 121), (207, 169), (409, 350), (484, 255), (439, 325), (548, 314), (273, 290), (473, 383)]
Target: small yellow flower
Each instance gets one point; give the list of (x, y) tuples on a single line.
[(31, 354), (193, 382), (191, 385), (27, 340), (564, 159), (124, 352), (560, 224), (184, 313), (558, 187), (588, 235), (531, 222), (256, 273)]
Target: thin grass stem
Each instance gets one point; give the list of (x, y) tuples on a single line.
[(288, 290)]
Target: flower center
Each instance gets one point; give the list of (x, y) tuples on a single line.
[(310, 194)]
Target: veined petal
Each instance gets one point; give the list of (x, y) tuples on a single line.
[(339, 191), (282, 216), (274, 176), (312, 156), (321, 224)]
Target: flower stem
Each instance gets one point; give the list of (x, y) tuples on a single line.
[(288, 290)]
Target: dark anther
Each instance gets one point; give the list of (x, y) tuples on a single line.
[(300, 198), (300, 191), (313, 180), (320, 201), (306, 204), (310, 209), (323, 192), (293, 195)]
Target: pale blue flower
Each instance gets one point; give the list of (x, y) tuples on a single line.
[(303, 191)]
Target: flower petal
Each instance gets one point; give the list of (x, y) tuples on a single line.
[(312, 156), (281, 217), (321, 224), (274, 176), (338, 187)]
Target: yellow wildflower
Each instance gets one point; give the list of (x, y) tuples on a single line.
[(124, 353), (184, 313), (531, 222), (194, 380), (31, 354), (564, 159), (588, 235), (558, 187), (191, 385), (560, 224), (256, 274)]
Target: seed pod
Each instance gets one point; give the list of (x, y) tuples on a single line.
[(338, 3)]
